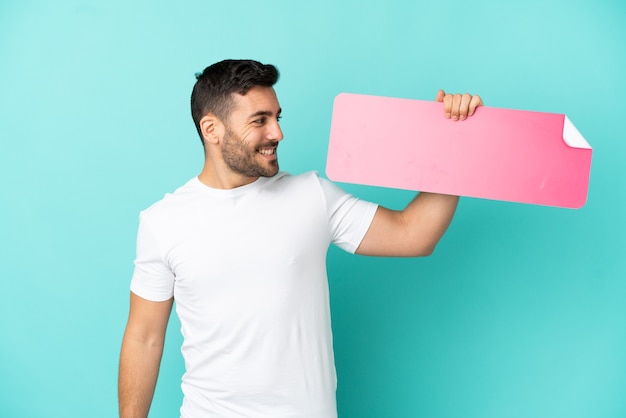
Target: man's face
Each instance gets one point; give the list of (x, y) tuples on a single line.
[(253, 133)]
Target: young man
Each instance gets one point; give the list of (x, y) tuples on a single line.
[(242, 249)]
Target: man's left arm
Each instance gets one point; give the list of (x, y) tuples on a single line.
[(416, 230)]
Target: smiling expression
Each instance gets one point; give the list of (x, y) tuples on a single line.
[(250, 142)]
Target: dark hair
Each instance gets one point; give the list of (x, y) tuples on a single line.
[(215, 85)]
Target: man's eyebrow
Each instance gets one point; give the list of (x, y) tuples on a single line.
[(265, 113)]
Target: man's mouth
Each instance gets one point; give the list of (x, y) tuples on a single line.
[(267, 151)]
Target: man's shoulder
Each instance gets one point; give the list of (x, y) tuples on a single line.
[(285, 178), (173, 199)]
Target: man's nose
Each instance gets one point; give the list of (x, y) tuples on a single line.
[(275, 133)]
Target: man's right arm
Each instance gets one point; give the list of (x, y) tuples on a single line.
[(140, 356)]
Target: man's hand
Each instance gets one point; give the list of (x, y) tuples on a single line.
[(458, 106)]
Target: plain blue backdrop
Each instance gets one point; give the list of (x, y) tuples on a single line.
[(520, 312)]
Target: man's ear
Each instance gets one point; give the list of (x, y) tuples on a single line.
[(212, 128)]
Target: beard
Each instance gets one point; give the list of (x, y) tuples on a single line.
[(241, 158)]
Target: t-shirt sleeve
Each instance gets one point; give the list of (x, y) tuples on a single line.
[(152, 278), (350, 217)]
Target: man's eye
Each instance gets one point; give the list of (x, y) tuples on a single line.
[(279, 117), (260, 121)]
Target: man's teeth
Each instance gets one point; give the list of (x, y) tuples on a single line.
[(267, 151)]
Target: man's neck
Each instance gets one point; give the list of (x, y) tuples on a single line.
[(223, 179)]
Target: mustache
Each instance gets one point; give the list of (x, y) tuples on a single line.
[(272, 144)]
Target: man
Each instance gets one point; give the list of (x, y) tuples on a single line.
[(242, 249)]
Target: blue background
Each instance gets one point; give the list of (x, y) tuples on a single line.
[(519, 313)]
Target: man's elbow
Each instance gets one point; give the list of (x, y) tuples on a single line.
[(427, 247), (421, 250), (426, 251)]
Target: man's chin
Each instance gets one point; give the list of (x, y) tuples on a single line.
[(271, 170), (270, 173)]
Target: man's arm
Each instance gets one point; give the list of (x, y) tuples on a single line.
[(416, 230), (140, 356)]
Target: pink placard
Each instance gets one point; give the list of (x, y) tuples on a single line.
[(501, 154)]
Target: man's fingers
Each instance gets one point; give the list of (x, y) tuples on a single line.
[(456, 106), (465, 105), (474, 103), (447, 106)]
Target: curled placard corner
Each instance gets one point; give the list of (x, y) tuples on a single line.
[(572, 136)]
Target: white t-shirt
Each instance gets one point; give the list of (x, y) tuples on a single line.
[(247, 268)]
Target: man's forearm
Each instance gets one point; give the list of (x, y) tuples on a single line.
[(139, 369)]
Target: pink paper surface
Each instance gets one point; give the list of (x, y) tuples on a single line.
[(500, 154)]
